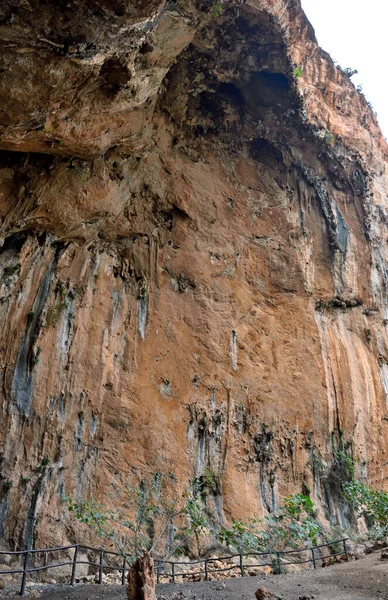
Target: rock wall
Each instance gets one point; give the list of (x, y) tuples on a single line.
[(193, 266)]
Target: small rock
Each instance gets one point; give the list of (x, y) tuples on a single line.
[(264, 594), (384, 554), (360, 552), (369, 547), (378, 544), (5, 559)]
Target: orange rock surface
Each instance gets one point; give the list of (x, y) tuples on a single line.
[(193, 261)]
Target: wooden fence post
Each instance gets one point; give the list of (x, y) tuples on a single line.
[(24, 578), (279, 565), (101, 566), (313, 558), (346, 550), (241, 565), (173, 572), (271, 557), (157, 571), (74, 567), (123, 573), (206, 571)]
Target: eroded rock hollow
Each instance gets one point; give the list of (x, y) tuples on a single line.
[(193, 261)]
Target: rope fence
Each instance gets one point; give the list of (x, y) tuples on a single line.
[(275, 557)]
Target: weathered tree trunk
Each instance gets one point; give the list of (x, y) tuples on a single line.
[(141, 579)]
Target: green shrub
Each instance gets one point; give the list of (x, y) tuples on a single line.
[(293, 526), (369, 503), (207, 481), (297, 72), (218, 8), (12, 269)]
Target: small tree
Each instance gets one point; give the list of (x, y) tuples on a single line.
[(153, 518)]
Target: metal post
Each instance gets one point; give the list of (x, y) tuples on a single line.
[(346, 550), (173, 572), (313, 558), (241, 565), (74, 567), (24, 579), (101, 565), (206, 571), (123, 573)]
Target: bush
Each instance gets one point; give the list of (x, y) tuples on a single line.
[(368, 503), (218, 8), (293, 526)]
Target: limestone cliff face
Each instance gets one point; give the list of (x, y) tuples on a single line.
[(193, 269)]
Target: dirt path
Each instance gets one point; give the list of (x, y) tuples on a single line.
[(365, 579)]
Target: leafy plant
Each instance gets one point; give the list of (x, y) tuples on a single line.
[(243, 537), (329, 138), (12, 269), (347, 464), (148, 513), (317, 463), (45, 461), (62, 304), (56, 311), (297, 72), (277, 566), (293, 526), (218, 8), (340, 471), (347, 71), (369, 503), (207, 481)]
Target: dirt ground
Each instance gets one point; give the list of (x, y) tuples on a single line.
[(365, 579)]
